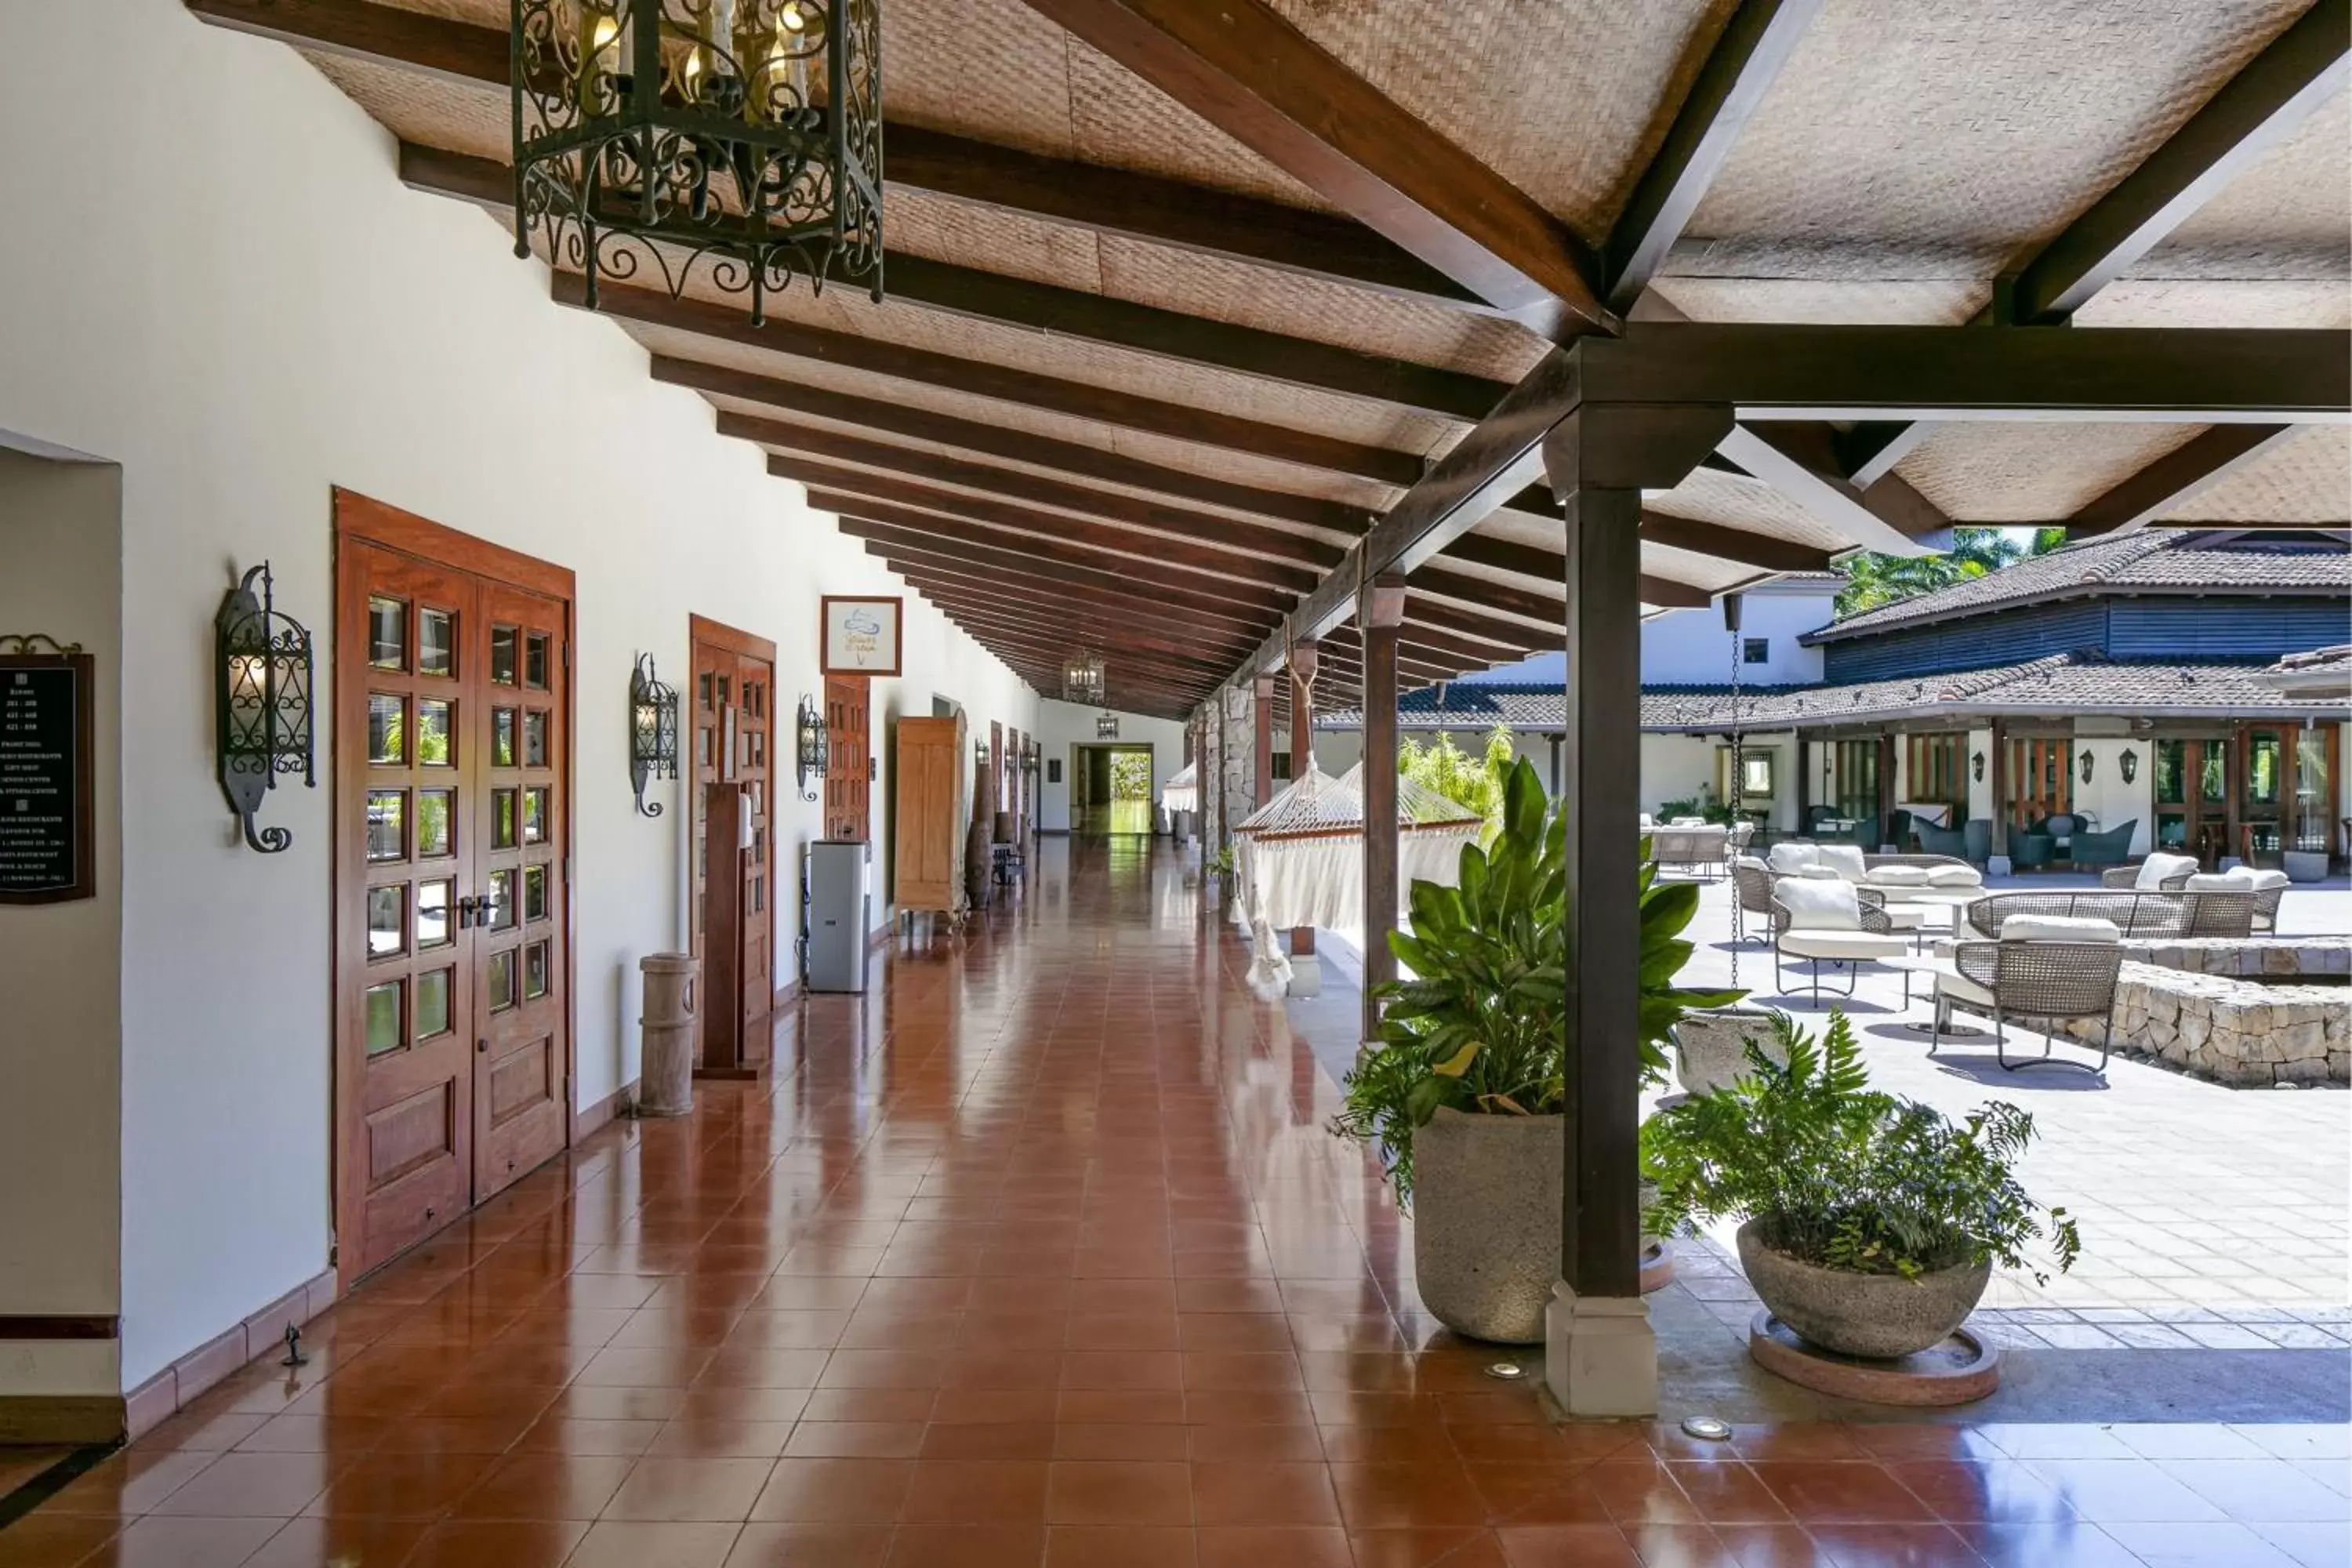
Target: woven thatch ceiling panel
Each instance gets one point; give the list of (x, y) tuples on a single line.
[(482, 13), (1699, 571), (2306, 479), (1525, 528), (2030, 472), (991, 68), (1734, 500), (916, 396), (2149, 302), (1984, 125), (1911, 303), (419, 108), (990, 239), (1118, 118), (1566, 99), (1242, 468), (2295, 200)]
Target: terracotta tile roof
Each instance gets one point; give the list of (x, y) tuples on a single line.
[(2139, 562)]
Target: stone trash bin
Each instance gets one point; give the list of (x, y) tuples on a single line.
[(665, 1071)]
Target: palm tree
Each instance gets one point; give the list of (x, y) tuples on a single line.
[(1873, 580)]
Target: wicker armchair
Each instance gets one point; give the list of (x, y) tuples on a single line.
[(2042, 980), (1876, 939), (2140, 916), (2107, 848), (2127, 879), (1941, 842), (1751, 883), (1701, 851)]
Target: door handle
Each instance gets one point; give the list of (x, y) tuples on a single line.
[(482, 1046)]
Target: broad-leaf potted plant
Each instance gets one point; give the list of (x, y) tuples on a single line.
[(1870, 1225), (1463, 1090)]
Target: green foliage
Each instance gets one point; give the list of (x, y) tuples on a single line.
[(1843, 1176), (1706, 809), (1873, 580), (1475, 782), (1131, 775), (1482, 1023), (1220, 863)]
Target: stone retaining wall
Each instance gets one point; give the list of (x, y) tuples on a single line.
[(2261, 955), (2236, 1031)]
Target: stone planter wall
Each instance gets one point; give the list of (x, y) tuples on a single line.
[(2263, 955), (2236, 1031)]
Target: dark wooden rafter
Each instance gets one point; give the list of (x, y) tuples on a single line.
[(1115, 548), (1764, 551), (2255, 109), (1049, 643), (1755, 43), (1801, 462), (1075, 457), (922, 534), (2172, 478), (1129, 512), (1138, 614), (1549, 566), (1107, 631), (1247, 71), (929, 558)]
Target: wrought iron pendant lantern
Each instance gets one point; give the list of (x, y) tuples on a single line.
[(262, 683), (657, 134), (1082, 678), (653, 731), (815, 745), (1106, 726)]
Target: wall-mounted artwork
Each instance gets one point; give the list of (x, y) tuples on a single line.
[(861, 635), (1052, 769)]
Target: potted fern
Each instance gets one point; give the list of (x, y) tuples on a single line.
[(1463, 1090), (1869, 1224)]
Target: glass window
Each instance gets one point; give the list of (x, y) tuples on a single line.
[(436, 813), (433, 1003), (387, 920), (702, 747), (502, 737), (2262, 771), (706, 687), (1756, 650), (502, 900), (387, 824), (1756, 773), (534, 814), (384, 714), (388, 633), (534, 892), (502, 819), (432, 900), (534, 661), (433, 748), (534, 970), (2172, 783), (500, 980), (384, 1031), (436, 643), (534, 737), (502, 655), (2213, 782)]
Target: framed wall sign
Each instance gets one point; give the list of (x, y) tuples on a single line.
[(46, 773), (861, 635)]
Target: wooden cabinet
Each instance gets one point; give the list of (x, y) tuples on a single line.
[(928, 823)]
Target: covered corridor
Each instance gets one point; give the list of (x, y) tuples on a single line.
[(1039, 1255)]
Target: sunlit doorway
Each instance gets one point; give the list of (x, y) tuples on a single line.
[(1111, 790)]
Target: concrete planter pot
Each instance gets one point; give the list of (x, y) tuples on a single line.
[(1878, 1317), (1485, 1222), (1711, 1046)]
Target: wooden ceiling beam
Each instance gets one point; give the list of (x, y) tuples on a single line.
[(1045, 643), (1517, 640), (880, 524), (1076, 624), (2165, 483), (1763, 550), (1745, 59), (1104, 545), (1800, 462), (2255, 109), (1113, 507), (1247, 71), (1551, 566), (1131, 602), (1075, 610), (1075, 457)]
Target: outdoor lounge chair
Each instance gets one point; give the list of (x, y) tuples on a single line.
[(1944, 842), (2107, 848), (1829, 920), (2031, 852), (2046, 969), (2264, 889), (2159, 872), (1701, 851), (2140, 916)]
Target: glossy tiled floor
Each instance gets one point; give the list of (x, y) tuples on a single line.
[(1039, 1256)]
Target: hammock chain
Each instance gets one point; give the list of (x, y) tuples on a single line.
[(1738, 795)]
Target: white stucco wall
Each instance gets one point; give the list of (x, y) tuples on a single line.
[(60, 964), (252, 309), (1063, 724), (1691, 646)]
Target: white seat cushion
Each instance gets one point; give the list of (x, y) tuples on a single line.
[(2058, 928), (1842, 944), (1954, 986), (1898, 877), (1687, 822), (1749, 863), (2219, 883), (1790, 858), (2263, 881), (1818, 873), (2157, 869), (1846, 858), (1817, 904), (1905, 917), (1954, 877)]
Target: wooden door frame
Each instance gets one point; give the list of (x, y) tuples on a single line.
[(362, 520), (702, 632)]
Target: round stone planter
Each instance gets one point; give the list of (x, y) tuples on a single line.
[(1485, 1222), (1711, 1046), (1878, 1317)]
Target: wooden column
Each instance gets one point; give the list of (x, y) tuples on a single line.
[(1303, 659), (1262, 736), (1380, 611), (1886, 796), (2000, 790), (1804, 780)]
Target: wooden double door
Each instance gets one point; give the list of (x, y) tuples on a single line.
[(734, 724), (452, 783)]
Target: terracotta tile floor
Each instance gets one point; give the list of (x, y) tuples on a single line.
[(1039, 1255)]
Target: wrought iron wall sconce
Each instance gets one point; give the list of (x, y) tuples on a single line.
[(2130, 764), (1031, 753), (980, 755), (2086, 764), (1976, 764), (814, 745), (262, 676), (653, 731)]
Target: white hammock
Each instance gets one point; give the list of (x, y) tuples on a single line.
[(1299, 859), (1183, 790)]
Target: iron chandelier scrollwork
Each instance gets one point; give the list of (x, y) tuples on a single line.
[(262, 673), (653, 731), (747, 133), (815, 745), (1082, 678)]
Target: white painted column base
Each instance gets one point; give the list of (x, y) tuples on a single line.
[(1305, 975), (1601, 1356), (1997, 866)]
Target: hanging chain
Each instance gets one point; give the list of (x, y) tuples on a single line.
[(1738, 793)]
